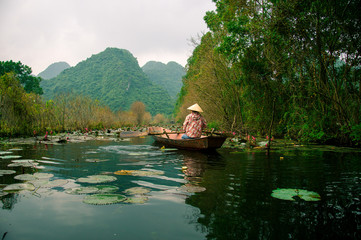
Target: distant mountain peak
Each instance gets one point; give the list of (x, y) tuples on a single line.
[(53, 70), (115, 79), (169, 75)]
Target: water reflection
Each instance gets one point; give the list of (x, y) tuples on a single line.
[(237, 203), (226, 195)]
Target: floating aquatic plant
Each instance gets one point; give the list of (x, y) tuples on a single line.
[(23, 163), (136, 199), (97, 179), (139, 172), (43, 183), (19, 187), (96, 160), (104, 199), (3, 193), (93, 189), (35, 176), (25, 177), (81, 190), (5, 152), (137, 190), (5, 172), (10, 156), (191, 188), (290, 194), (168, 149)]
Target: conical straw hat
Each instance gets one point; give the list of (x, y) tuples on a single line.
[(196, 108)]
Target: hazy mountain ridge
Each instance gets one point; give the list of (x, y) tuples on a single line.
[(115, 79), (169, 76), (54, 70)]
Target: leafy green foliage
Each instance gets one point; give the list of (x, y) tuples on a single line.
[(169, 76), (23, 73), (301, 55)]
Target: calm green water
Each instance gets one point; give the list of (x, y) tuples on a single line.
[(237, 202)]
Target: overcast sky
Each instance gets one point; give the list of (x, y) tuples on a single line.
[(41, 32)]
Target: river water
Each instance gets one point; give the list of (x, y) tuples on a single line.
[(192, 195)]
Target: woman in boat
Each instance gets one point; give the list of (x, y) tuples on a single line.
[(194, 123)]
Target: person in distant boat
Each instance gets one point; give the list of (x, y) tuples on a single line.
[(194, 123)]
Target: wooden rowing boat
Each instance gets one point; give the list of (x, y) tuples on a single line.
[(173, 139)]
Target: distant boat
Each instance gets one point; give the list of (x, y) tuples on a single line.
[(173, 139), (131, 134)]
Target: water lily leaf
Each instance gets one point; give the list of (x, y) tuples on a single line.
[(106, 189), (191, 188), (43, 183), (290, 194), (138, 153), (19, 187), (25, 177), (4, 172), (136, 199), (81, 190), (104, 199), (23, 163), (93, 189), (96, 160), (15, 149), (5, 152), (43, 175), (137, 190), (35, 176), (10, 156), (139, 172), (123, 172), (97, 179), (3, 193), (169, 149)]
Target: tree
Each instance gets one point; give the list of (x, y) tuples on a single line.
[(23, 73), (138, 108)]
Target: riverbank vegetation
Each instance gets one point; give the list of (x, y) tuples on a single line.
[(284, 68), (23, 112)]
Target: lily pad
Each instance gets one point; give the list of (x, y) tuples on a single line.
[(5, 152), (96, 160), (19, 187), (106, 189), (104, 199), (3, 193), (137, 190), (35, 176), (81, 190), (25, 177), (23, 163), (97, 179), (89, 190), (10, 156), (139, 172), (169, 149), (136, 199), (5, 172), (290, 194), (43, 183), (191, 188)]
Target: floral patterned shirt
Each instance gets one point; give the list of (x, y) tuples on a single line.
[(193, 125)]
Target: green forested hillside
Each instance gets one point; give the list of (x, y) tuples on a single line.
[(114, 78), (168, 75), (53, 70), (286, 68)]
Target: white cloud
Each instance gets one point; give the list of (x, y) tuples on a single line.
[(40, 32)]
